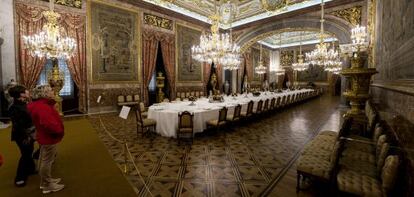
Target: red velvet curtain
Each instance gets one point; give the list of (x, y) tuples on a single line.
[(249, 67), (168, 56), (149, 58), (29, 20), (206, 75), (75, 28)]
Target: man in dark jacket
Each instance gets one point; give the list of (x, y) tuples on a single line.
[(50, 131), (22, 133)]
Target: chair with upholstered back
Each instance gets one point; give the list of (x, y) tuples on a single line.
[(236, 114), (288, 100), (182, 95), (221, 121), (185, 126), (187, 94), (143, 123), (192, 93), (136, 98), (166, 100), (121, 99), (129, 98), (278, 104), (259, 107), (266, 106), (177, 99), (197, 94), (249, 111), (283, 101), (272, 104), (201, 93), (143, 110)]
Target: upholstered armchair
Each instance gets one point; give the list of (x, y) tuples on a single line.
[(220, 122), (236, 115), (143, 123), (185, 126), (249, 111)]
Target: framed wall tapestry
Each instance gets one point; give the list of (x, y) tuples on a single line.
[(114, 40), (255, 62), (313, 73), (188, 69)]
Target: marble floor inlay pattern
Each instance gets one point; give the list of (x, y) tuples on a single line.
[(245, 160)]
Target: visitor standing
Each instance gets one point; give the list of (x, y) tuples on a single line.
[(22, 133), (50, 132)]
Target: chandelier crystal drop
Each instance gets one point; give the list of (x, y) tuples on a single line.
[(217, 48), (49, 42), (261, 69), (322, 55)]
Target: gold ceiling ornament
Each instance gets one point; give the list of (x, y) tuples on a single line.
[(157, 21), (70, 3), (351, 15), (274, 5)]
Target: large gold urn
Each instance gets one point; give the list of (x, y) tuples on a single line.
[(360, 78), (56, 80), (160, 85)]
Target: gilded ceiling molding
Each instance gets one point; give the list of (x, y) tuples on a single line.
[(270, 33), (157, 21), (351, 15), (69, 3)]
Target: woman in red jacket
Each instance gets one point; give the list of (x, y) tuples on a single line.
[(49, 128)]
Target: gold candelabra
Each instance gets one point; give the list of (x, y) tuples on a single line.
[(359, 76)]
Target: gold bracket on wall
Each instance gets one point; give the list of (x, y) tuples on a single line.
[(351, 15)]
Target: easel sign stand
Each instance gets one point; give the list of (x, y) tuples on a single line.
[(124, 115)]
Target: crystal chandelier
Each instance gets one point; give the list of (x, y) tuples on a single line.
[(335, 65), (321, 55), (280, 71), (217, 48), (300, 65), (261, 69), (49, 42)]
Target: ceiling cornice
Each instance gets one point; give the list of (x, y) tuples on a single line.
[(291, 14)]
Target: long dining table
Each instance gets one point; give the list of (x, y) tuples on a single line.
[(166, 113)]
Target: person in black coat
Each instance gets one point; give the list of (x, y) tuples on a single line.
[(22, 133)]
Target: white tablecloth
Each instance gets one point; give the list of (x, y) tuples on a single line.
[(166, 114)]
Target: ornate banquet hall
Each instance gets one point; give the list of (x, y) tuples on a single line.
[(212, 97)]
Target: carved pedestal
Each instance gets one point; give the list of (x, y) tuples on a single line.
[(359, 93)]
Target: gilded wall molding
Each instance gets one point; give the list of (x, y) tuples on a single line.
[(352, 15), (69, 3), (158, 21), (372, 4)]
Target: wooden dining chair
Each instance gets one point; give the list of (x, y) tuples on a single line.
[(258, 108), (272, 104), (266, 106), (143, 110), (288, 100), (249, 111), (236, 115), (143, 123), (278, 103), (220, 122), (185, 126)]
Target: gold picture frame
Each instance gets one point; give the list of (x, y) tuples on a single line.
[(178, 62), (135, 66)]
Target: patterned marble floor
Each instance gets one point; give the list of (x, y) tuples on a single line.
[(248, 160)]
